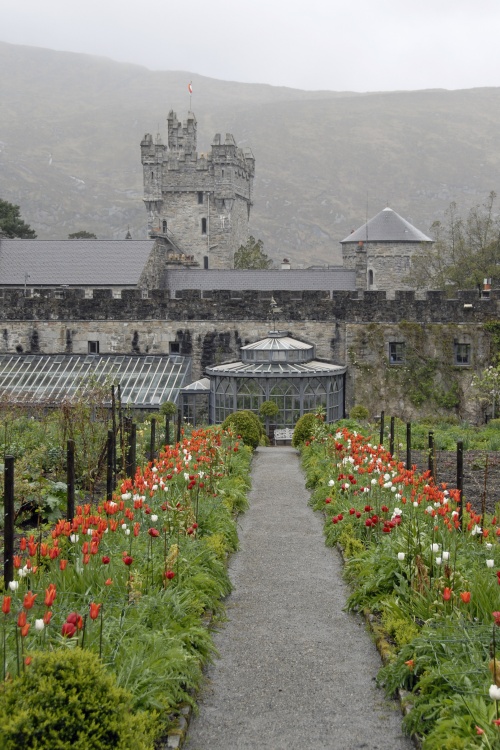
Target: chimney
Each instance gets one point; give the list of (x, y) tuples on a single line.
[(285, 264)]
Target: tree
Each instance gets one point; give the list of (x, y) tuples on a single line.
[(82, 235), (465, 251), (252, 255), (11, 224)]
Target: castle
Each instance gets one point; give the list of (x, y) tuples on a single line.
[(175, 296), (198, 204)]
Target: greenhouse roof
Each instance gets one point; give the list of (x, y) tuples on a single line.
[(145, 381), (278, 340), (276, 369)]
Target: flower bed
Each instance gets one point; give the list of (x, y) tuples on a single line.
[(429, 579), (130, 581)]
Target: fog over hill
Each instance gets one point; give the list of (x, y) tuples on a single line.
[(71, 125)]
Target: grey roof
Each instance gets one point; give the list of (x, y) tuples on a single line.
[(277, 340), (326, 279), (146, 381), (199, 386), (73, 262), (276, 369), (387, 226)]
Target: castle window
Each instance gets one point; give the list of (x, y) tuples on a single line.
[(93, 347), (200, 197), (396, 352), (152, 175), (462, 354), (205, 262), (370, 279), (174, 347), (203, 226), (164, 226)]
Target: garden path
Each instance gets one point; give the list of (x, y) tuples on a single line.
[(295, 671)]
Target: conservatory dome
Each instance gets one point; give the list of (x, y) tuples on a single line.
[(282, 369)]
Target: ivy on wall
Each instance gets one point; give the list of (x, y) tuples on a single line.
[(428, 381)]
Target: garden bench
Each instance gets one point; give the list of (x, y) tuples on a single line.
[(285, 434)]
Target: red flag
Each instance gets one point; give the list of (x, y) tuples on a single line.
[(190, 87)]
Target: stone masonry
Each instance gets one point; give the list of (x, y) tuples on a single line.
[(200, 203)]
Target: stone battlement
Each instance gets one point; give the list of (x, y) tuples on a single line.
[(236, 305)]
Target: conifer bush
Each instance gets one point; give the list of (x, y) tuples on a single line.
[(65, 699), (304, 429), (247, 424)]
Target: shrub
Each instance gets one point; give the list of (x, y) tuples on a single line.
[(303, 429), (247, 424), (64, 699), (269, 409), (359, 412)]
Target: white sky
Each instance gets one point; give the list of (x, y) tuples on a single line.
[(358, 45)]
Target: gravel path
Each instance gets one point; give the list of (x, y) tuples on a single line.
[(295, 672)]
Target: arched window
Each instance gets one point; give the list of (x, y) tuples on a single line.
[(164, 226)]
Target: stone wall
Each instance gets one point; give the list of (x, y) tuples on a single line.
[(347, 328), (389, 263)]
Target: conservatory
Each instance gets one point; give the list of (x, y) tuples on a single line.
[(282, 369)]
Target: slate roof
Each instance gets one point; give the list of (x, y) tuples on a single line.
[(387, 226), (73, 262), (324, 279)]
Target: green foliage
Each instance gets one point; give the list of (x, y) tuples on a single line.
[(246, 424), (465, 251), (304, 429), (11, 223), (66, 699), (359, 412), (252, 255), (82, 235), (269, 409), (168, 409)]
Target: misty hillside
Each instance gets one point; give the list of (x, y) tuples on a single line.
[(71, 124)]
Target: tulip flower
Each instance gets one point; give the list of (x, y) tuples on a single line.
[(169, 574), (68, 630), (50, 595), (25, 630), (75, 619), (29, 600), (21, 620), (465, 596), (153, 532), (494, 692), (6, 605), (62, 564), (447, 592), (39, 624), (128, 560), (496, 617), (94, 610), (108, 582), (106, 560), (47, 617)]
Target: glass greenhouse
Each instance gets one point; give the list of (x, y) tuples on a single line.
[(282, 369), (145, 381)]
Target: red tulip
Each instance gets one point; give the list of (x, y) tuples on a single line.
[(169, 574), (75, 619), (106, 560), (108, 582), (447, 593), (94, 610), (128, 560), (62, 564), (47, 617), (496, 617), (50, 595), (465, 596), (68, 630), (29, 600), (153, 532), (6, 605), (25, 630), (21, 620)]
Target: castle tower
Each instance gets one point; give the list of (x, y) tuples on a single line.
[(198, 203), (381, 250)]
